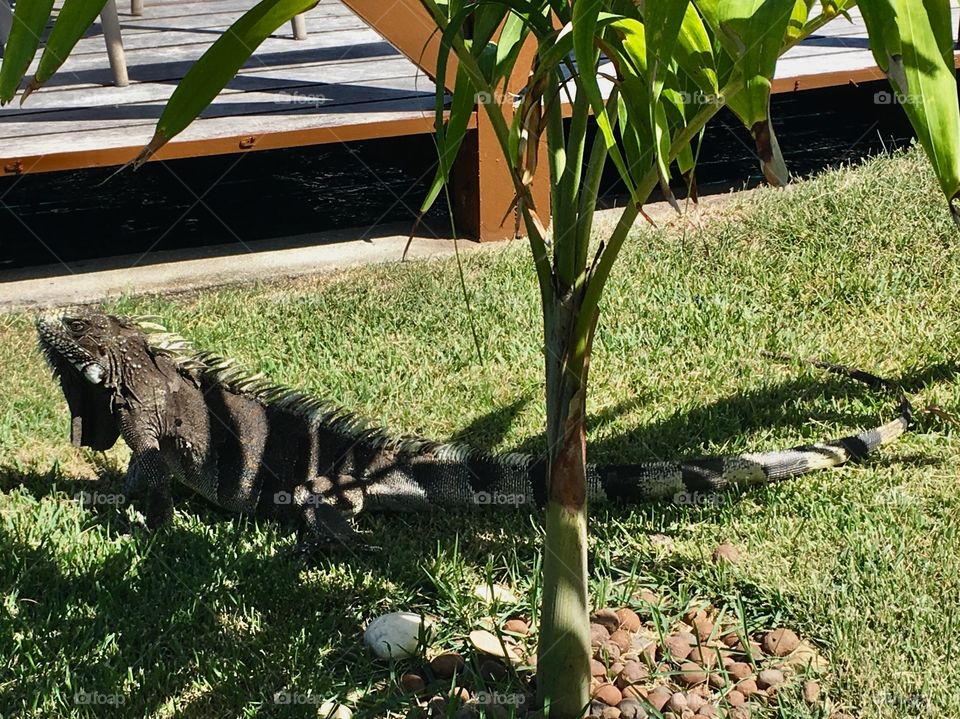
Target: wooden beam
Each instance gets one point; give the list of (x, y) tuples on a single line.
[(408, 27), (218, 146)]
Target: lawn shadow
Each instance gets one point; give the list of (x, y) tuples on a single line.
[(166, 599), (202, 592), (684, 434)]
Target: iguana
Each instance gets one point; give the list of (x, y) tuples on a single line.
[(251, 446)]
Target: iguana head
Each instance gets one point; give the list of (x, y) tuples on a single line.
[(90, 352)]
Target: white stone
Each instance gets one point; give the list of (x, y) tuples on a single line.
[(396, 635)]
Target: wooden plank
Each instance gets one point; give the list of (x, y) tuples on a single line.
[(289, 78), (180, 36), (345, 44), (316, 99), (156, 10)]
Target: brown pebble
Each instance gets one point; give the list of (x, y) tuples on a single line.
[(659, 697), (693, 614), (517, 626), (597, 669), (606, 618), (780, 642), (632, 673), (717, 681), (695, 701), (811, 692), (691, 674), (739, 670), (460, 694), (704, 656), (770, 678), (645, 595), (648, 652), (633, 691), (610, 713), (703, 627), (739, 712), (608, 694), (629, 619), (677, 702), (747, 687), (708, 711), (679, 645), (632, 709), (598, 634), (437, 706), (622, 639), (412, 683), (607, 652), (730, 639), (735, 698), (445, 665), (726, 552)]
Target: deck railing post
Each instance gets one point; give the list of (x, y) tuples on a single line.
[(110, 23), (483, 190), (299, 27)]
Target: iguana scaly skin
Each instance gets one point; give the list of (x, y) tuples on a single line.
[(250, 446)]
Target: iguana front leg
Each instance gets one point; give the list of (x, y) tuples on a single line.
[(322, 520), (149, 470)]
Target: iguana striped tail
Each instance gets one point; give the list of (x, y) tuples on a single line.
[(661, 480)]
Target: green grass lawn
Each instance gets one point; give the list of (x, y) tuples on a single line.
[(210, 618)]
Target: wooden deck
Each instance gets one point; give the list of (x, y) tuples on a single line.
[(344, 82)]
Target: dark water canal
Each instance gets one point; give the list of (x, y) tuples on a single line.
[(231, 200)]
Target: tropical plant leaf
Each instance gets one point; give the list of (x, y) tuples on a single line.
[(585, 23), (880, 17), (450, 134), (218, 65), (927, 88), (752, 32), (74, 19), (29, 20), (694, 52)]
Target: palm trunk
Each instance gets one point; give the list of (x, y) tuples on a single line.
[(563, 666)]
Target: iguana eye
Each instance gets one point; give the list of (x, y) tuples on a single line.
[(77, 326)]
